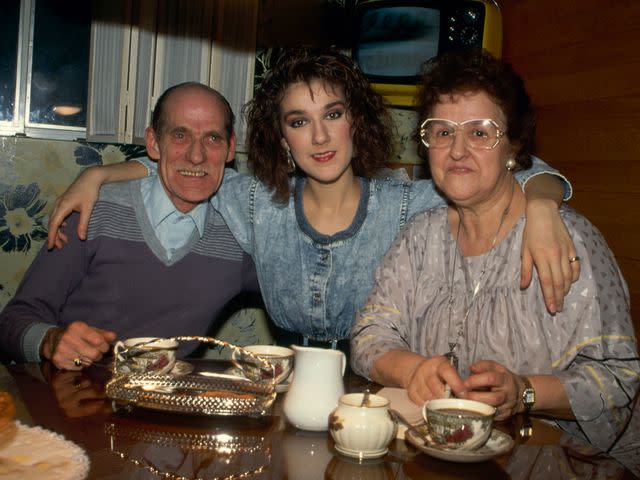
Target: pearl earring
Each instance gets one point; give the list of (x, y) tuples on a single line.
[(511, 164)]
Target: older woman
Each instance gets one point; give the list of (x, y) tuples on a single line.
[(445, 293)]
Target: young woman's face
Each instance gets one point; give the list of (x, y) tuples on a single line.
[(465, 174), (316, 128)]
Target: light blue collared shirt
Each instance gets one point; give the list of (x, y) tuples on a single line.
[(172, 227)]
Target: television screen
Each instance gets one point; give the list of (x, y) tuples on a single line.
[(394, 41), (393, 38)]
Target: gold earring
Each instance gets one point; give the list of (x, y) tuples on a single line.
[(291, 165), (511, 164)]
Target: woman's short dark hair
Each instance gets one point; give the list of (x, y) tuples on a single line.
[(370, 119), (478, 71)]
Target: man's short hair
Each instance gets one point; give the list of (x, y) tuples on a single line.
[(157, 117)]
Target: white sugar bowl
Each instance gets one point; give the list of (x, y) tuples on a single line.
[(362, 431)]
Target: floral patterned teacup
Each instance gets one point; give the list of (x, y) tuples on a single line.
[(280, 358), (457, 423), (145, 355)]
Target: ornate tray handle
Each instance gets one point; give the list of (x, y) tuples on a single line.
[(195, 394)]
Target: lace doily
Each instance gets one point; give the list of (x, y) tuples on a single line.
[(36, 453)]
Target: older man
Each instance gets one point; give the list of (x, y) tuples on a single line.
[(158, 260)]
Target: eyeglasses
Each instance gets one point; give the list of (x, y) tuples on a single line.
[(478, 133)]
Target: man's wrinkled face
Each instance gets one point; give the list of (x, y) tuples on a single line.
[(192, 147)]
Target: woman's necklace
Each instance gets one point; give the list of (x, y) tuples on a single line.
[(454, 345)]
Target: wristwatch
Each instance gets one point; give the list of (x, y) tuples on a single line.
[(528, 395)]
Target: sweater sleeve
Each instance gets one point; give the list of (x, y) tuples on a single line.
[(40, 298)]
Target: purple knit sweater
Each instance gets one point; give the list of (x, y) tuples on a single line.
[(120, 279)]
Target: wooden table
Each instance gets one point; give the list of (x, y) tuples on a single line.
[(144, 444)]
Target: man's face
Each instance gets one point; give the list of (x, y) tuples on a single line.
[(192, 148)]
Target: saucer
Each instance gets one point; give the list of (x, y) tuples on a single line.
[(179, 369), (498, 444), (280, 387)]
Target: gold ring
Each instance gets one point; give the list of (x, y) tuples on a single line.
[(77, 362), (574, 259)]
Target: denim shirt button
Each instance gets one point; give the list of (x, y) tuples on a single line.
[(317, 297)]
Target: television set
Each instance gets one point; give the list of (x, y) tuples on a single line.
[(393, 38)]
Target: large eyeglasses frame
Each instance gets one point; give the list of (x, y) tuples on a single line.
[(423, 132)]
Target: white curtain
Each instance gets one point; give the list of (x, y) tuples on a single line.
[(139, 50)]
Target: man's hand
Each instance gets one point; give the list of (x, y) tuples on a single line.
[(62, 345), (78, 395)]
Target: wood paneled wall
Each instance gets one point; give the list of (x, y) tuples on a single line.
[(580, 60)]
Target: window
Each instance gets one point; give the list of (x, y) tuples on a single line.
[(101, 65), (44, 64), (9, 23), (57, 90)]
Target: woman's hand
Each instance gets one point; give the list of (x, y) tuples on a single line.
[(81, 196), (492, 383), (547, 244), (429, 380), (62, 345)]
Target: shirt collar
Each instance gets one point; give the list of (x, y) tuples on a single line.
[(160, 207)]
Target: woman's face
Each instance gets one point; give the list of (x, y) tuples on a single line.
[(469, 176), (316, 128)]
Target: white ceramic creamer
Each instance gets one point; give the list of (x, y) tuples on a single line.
[(316, 388)]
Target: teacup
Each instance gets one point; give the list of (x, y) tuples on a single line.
[(146, 355), (458, 423), (281, 358), (362, 430)]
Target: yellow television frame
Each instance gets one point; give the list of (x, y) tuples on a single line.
[(404, 95)]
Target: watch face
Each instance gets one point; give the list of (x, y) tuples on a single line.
[(529, 396)]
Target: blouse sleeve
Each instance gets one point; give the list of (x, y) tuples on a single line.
[(386, 321), (599, 365), (234, 202), (150, 165)]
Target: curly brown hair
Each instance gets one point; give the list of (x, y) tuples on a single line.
[(478, 71), (369, 116)]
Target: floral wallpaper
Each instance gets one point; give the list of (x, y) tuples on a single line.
[(32, 174)]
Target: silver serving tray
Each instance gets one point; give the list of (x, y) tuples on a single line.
[(194, 394)]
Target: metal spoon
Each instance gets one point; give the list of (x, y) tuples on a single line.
[(365, 398), (398, 417)]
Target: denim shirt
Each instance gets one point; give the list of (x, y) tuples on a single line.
[(313, 284)]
